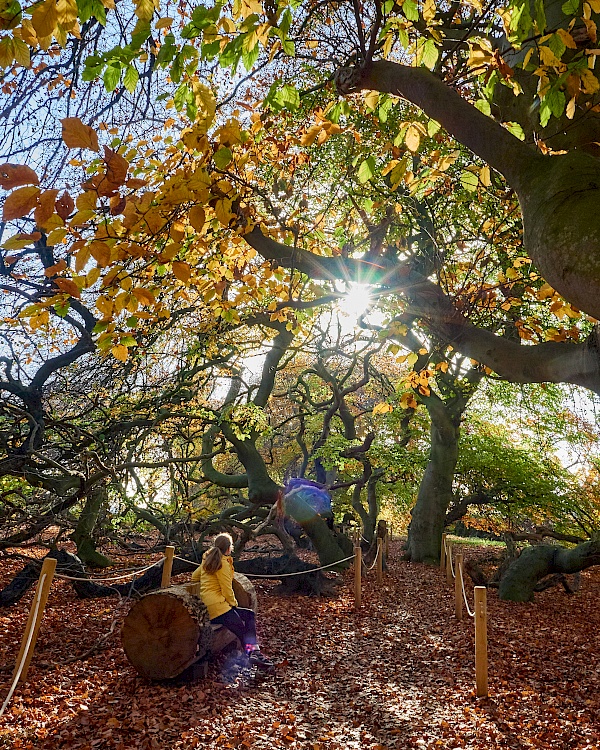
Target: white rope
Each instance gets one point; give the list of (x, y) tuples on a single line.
[(452, 564), (300, 572), (282, 575), (27, 645), (462, 584), (105, 580)]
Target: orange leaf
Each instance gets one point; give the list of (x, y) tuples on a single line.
[(100, 251), (182, 271), (68, 286), (45, 207), (64, 205), (116, 167), (144, 296), (56, 268), (13, 175), (77, 135), (20, 202)]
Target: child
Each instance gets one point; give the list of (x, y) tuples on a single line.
[(216, 591)]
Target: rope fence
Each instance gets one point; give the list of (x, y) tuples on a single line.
[(479, 613), (48, 573)]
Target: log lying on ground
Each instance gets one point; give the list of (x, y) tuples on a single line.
[(308, 581), (168, 630), (519, 582)]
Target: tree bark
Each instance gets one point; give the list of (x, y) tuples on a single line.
[(435, 491), (534, 563), (82, 536)]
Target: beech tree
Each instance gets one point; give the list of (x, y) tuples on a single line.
[(513, 88)]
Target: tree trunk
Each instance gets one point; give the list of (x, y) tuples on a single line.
[(435, 490), (534, 563), (315, 528), (82, 536), (167, 631)]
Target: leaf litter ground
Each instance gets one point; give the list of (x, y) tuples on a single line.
[(399, 674)]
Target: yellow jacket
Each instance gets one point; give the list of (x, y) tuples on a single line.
[(216, 590)]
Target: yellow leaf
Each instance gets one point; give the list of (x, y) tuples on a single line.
[(120, 352), (92, 276), (56, 236), (308, 138), (371, 99), (484, 176), (547, 57), (13, 175), (164, 23), (223, 211), (20, 202), (567, 39), (197, 218), (19, 241), (45, 18), (412, 138), (182, 271), (571, 108), (77, 135), (7, 51), (67, 13), (382, 408)]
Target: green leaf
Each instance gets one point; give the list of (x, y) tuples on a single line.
[(111, 78), (410, 9), (469, 181), (222, 158), (91, 9), (366, 169), (483, 106), (430, 54), (515, 129), (432, 127), (131, 78), (288, 97), (571, 7)]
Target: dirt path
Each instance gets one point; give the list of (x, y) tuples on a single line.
[(400, 674)]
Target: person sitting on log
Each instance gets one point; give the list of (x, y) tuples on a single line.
[(216, 591)]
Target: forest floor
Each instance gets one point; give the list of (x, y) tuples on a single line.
[(397, 674)]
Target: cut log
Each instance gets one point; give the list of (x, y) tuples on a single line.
[(168, 630)]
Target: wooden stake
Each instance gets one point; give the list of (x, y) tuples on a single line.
[(443, 553), (387, 546), (167, 568), (379, 561), (35, 618), (449, 562), (481, 655), (357, 571), (458, 594)]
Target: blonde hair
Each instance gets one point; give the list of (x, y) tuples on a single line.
[(213, 559)]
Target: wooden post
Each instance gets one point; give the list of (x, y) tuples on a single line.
[(458, 594), (35, 619), (379, 560), (357, 571), (449, 562), (167, 568), (387, 546), (481, 655), (443, 553)]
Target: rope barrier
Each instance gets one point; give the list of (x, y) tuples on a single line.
[(107, 580), (300, 572), (26, 649), (451, 563), (462, 584), (282, 575)]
